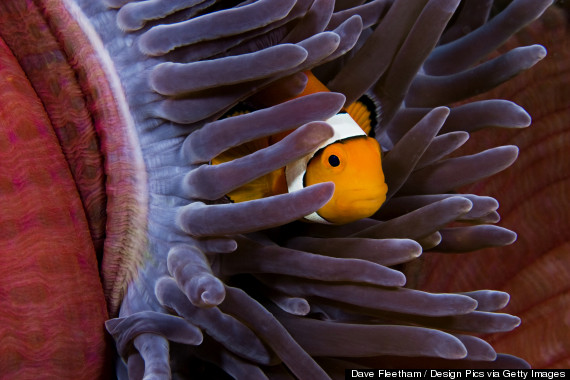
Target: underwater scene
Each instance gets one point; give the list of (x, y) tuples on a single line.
[(283, 189)]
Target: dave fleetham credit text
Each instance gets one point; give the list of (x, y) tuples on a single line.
[(452, 374)]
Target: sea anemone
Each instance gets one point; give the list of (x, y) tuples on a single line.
[(534, 201), (200, 287)]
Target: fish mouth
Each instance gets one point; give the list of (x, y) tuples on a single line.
[(365, 203), (365, 195)]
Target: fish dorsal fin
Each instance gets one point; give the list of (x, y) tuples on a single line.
[(365, 112)]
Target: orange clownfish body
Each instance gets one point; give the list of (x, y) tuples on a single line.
[(354, 165), (350, 159)]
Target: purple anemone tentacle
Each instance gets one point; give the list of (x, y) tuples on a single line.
[(380, 251), (213, 182), (470, 238), (164, 38), (325, 338), (124, 330), (469, 49), (430, 91), (198, 219), (370, 13), (489, 300), (421, 39), (224, 328), (279, 339), (253, 257), (411, 146), (482, 206), (314, 21), (220, 135), (190, 267), (472, 15), (421, 222), (374, 57), (430, 179)]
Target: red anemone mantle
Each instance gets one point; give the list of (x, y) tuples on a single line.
[(69, 167)]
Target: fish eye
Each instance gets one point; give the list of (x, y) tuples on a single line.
[(334, 161)]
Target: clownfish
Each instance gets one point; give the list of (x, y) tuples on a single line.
[(351, 159)]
